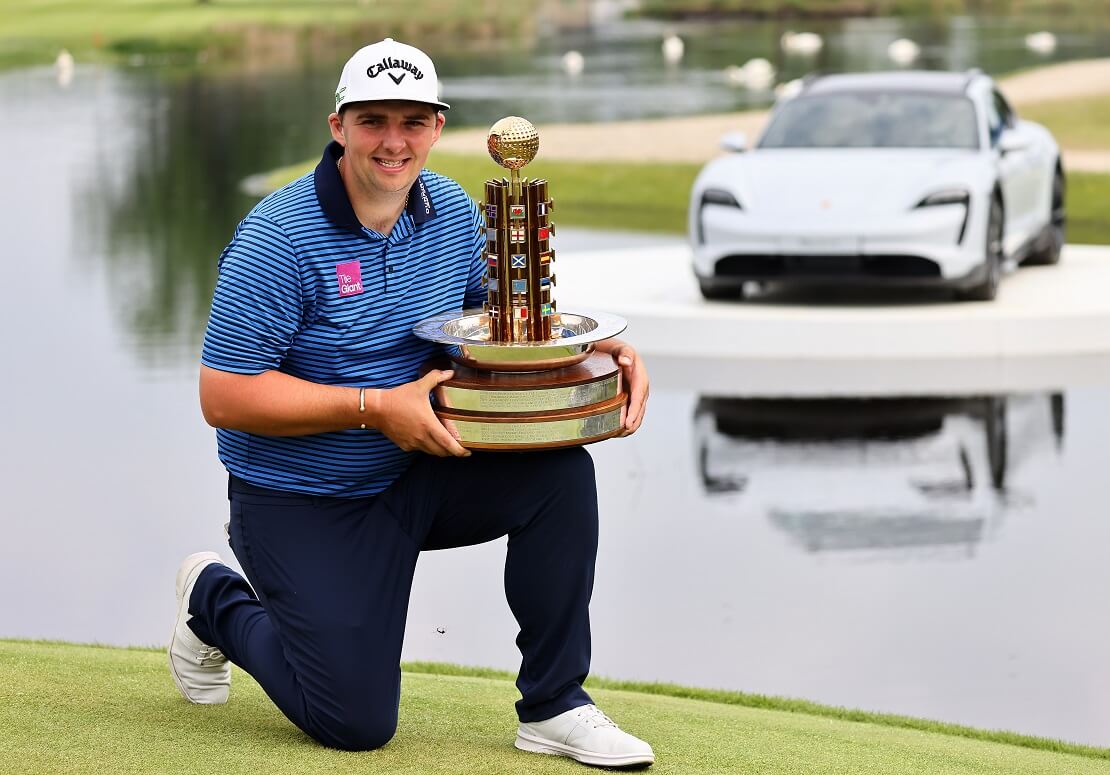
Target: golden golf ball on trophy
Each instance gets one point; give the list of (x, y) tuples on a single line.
[(513, 142)]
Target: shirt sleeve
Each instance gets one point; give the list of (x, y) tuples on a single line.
[(257, 308), (475, 286)]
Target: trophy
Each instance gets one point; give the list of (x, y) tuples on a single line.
[(526, 374)]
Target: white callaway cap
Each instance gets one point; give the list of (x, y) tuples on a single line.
[(388, 70)]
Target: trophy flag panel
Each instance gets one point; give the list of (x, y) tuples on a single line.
[(526, 376), (520, 279)]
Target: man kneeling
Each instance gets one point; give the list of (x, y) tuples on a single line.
[(340, 474)]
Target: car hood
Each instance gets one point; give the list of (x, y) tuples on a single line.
[(841, 181)]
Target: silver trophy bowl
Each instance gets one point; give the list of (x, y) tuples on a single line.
[(467, 337)]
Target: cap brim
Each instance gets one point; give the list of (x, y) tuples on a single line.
[(436, 105)]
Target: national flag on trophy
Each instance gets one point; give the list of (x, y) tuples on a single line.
[(491, 260), (547, 310), (517, 235), (491, 212), (520, 313), (519, 261), (547, 281), (520, 286), (545, 258), (516, 212), (491, 234), (541, 208), (493, 286), (544, 232)]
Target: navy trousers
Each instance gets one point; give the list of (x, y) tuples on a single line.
[(321, 622)]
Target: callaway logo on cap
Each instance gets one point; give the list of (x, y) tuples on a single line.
[(388, 70)]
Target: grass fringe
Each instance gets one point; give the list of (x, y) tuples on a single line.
[(719, 696), (788, 705)]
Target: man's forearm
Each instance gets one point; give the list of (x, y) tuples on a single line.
[(277, 404)]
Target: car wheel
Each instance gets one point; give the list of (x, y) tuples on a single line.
[(712, 291), (1053, 240), (987, 288)]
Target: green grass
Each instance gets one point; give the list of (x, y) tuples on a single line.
[(87, 709), (33, 30), (653, 197), (1079, 124), (1088, 206)]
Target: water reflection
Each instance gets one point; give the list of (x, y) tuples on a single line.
[(876, 474), (160, 197)]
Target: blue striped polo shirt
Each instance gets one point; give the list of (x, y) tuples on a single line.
[(306, 289)]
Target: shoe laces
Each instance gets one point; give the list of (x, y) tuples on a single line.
[(210, 656), (593, 716)]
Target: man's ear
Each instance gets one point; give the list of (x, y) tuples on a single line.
[(335, 124), (440, 121)]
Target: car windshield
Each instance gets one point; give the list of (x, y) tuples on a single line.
[(874, 120)]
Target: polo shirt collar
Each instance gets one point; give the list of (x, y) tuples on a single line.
[(333, 199)]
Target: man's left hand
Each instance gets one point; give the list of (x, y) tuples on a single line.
[(635, 378)]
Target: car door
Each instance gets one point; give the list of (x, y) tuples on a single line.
[(1018, 171)]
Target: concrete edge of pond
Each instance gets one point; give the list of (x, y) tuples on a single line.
[(1040, 312)]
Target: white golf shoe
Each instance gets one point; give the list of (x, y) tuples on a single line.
[(586, 735), (201, 672)]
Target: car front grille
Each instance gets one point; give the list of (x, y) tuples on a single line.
[(771, 266)]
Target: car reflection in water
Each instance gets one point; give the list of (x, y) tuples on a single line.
[(843, 474)]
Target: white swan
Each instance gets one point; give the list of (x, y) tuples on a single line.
[(903, 51), (1041, 42), (788, 90), (63, 67), (573, 63), (673, 49), (757, 74), (801, 43)]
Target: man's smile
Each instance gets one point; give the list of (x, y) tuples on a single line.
[(391, 164)]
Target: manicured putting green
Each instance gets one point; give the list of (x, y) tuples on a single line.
[(86, 709)]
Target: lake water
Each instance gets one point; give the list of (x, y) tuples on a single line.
[(937, 556)]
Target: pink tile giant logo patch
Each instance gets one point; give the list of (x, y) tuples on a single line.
[(350, 278)]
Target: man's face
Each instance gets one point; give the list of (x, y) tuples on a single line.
[(386, 142)]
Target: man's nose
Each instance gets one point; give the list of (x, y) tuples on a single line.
[(394, 139)]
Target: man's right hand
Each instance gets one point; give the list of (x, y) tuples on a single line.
[(405, 416)]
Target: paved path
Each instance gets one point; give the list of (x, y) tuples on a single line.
[(696, 139)]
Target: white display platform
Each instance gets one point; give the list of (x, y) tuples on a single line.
[(1048, 329), (1040, 311)]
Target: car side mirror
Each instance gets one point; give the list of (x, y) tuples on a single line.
[(735, 142), (1011, 141)]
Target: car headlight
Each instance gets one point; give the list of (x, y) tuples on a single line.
[(950, 196), (718, 196), (713, 196)]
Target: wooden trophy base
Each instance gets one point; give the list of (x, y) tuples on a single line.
[(563, 407)]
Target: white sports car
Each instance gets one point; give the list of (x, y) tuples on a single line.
[(903, 177)]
